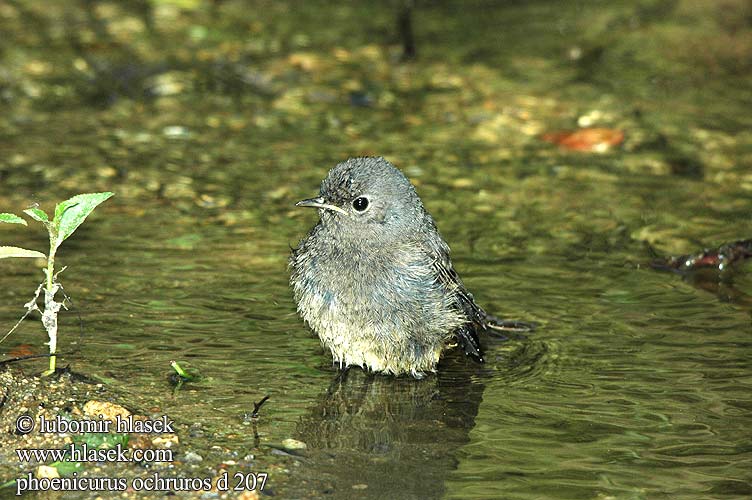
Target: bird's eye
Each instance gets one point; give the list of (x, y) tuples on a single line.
[(360, 204)]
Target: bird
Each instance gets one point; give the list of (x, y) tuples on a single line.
[(374, 279)]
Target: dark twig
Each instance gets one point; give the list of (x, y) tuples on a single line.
[(257, 406), (3, 400), (720, 258), (405, 30), (253, 417), (33, 356), (22, 358)]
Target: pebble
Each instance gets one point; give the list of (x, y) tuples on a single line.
[(192, 458), (294, 444), (109, 411)]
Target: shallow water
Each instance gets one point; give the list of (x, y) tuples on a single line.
[(210, 126)]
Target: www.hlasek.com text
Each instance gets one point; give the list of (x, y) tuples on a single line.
[(83, 453)]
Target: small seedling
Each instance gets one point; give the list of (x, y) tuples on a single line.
[(179, 370), (69, 214), (180, 376)]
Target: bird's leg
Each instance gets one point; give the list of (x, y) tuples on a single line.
[(468, 339), (339, 379)]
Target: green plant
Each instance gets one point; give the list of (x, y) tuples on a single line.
[(69, 214)]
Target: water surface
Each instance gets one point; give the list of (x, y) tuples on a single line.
[(210, 121)]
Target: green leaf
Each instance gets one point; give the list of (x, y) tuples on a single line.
[(66, 467), (12, 219), (6, 252), (37, 214), (8, 484), (60, 209), (71, 213), (101, 441)]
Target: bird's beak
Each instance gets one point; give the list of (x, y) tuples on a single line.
[(319, 203)]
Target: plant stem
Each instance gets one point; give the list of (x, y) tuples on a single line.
[(49, 296)]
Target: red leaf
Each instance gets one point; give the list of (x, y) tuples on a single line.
[(586, 139), (21, 350)]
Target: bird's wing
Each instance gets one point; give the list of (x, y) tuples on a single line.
[(467, 334), (478, 319), (449, 278)]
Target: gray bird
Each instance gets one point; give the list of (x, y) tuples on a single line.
[(374, 279)]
